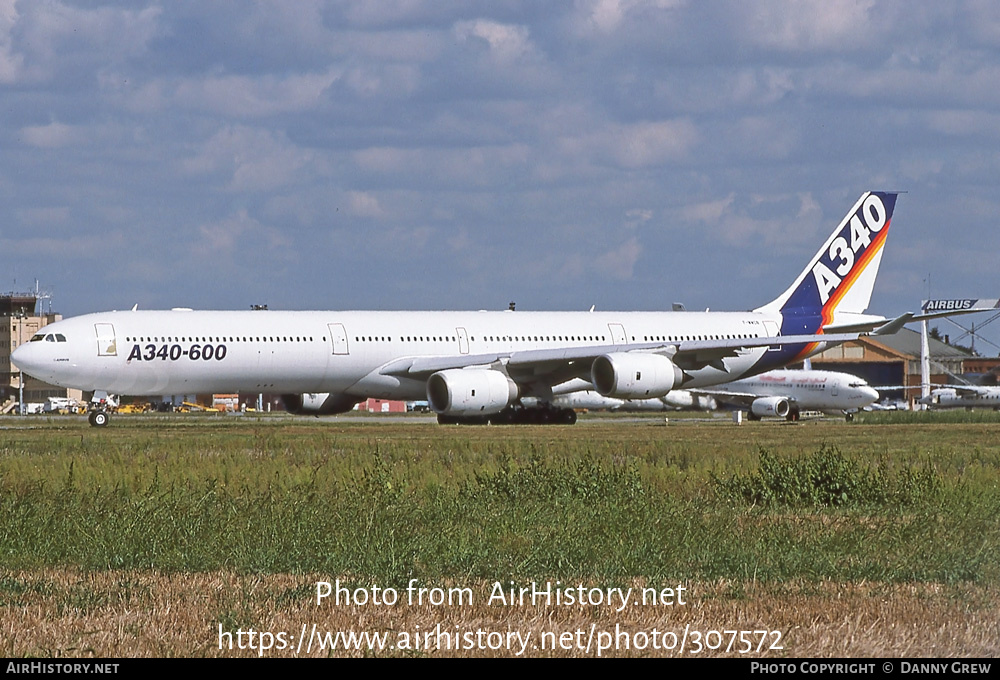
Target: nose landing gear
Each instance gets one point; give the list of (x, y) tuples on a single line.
[(101, 405)]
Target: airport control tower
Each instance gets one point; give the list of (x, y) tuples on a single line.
[(20, 318)]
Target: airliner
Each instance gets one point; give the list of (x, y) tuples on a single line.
[(674, 400), (963, 396), (781, 393), (787, 393), (470, 366)]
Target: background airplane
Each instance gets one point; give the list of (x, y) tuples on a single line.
[(675, 400), (787, 393), (781, 393), (962, 396)]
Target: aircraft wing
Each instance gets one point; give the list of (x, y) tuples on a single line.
[(930, 309), (880, 325), (744, 399), (555, 366)]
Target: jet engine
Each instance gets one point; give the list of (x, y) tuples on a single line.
[(770, 406), (318, 403), (634, 376), (465, 392)]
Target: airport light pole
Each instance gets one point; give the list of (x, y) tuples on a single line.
[(925, 363), (20, 373)]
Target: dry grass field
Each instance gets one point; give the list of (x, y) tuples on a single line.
[(66, 612), (169, 536)]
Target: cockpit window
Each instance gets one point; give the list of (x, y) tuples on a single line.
[(37, 337), (60, 337), (50, 338)]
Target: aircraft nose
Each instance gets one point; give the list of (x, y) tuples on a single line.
[(870, 393), (27, 358)]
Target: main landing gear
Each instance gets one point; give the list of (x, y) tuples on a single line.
[(516, 415), (99, 418)]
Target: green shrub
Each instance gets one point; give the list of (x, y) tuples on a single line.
[(828, 479)]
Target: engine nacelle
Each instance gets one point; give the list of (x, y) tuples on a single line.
[(770, 406), (466, 392), (318, 403), (634, 376)]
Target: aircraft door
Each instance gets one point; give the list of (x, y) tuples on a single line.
[(463, 340), (617, 333), (107, 346), (338, 338), (772, 330)]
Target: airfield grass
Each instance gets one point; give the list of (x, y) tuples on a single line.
[(887, 531)]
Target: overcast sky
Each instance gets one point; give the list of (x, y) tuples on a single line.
[(436, 154)]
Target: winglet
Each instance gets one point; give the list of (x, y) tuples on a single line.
[(895, 325)]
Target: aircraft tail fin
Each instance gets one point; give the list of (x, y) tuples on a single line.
[(841, 276)]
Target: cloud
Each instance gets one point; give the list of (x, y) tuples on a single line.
[(11, 62), (965, 123), (708, 211), (233, 96), (56, 38), (634, 146), (254, 159), (469, 166), (620, 263), (765, 137), (44, 217), (637, 216), (70, 250), (606, 16), (507, 42), (809, 25), (364, 204), (760, 220), (51, 136), (238, 233)]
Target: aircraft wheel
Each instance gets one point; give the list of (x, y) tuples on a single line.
[(98, 418), (849, 417), (568, 417)]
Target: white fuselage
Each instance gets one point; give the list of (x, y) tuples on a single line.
[(946, 397), (808, 390), (185, 352)]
